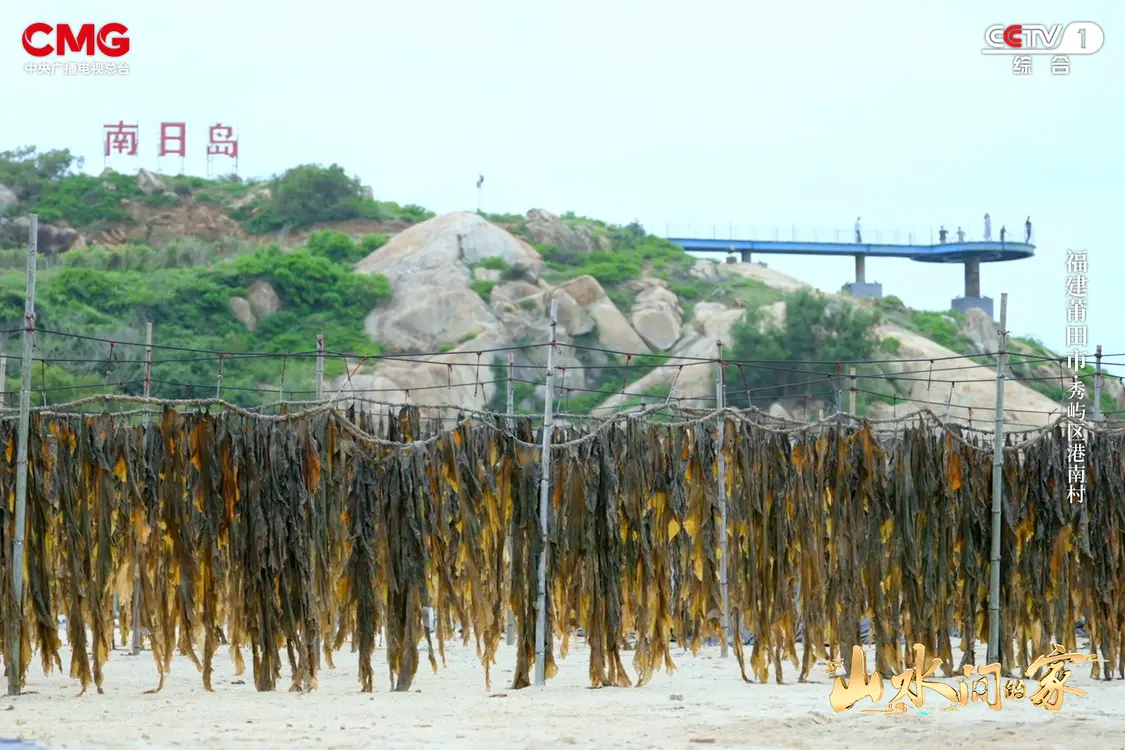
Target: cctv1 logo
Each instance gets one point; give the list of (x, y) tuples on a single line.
[(42, 39), (1078, 38)]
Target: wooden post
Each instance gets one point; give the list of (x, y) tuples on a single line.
[(720, 404), (15, 618), (510, 629), (997, 491), (544, 505)]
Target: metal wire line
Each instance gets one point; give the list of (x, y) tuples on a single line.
[(951, 405), (412, 357), (192, 350), (778, 361)]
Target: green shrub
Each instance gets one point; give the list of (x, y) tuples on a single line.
[(483, 288), (372, 242), (335, 246), (493, 263), (305, 195), (160, 200), (189, 306), (934, 326), (83, 200)]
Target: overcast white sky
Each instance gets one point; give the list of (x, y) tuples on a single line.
[(686, 116)]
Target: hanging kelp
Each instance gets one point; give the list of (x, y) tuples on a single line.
[(310, 533)]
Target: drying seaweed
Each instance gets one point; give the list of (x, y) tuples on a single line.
[(295, 538)]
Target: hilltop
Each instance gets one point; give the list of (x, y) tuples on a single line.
[(235, 265)]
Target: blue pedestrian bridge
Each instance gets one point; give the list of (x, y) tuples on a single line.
[(970, 254)]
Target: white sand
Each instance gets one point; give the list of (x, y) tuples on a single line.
[(452, 709)]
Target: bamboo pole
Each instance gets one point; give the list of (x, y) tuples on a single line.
[(851, 403), (544, 503), (720, 403), (510, 628), (1097, 385), (994, 651), (14, 622), (319, 366), (135, 622)]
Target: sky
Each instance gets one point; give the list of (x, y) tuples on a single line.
[(730, 116)]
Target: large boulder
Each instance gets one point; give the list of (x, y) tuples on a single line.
[(8, 197), (240, 308), (524, 313), (432, 304), (150, 183), (459, 379), (544, 228), (969, 390), (657, 317), (614, 330), (982, 330), (263, 299), (52, 240), (572, 316)]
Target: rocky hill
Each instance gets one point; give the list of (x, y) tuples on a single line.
[(231, 265)]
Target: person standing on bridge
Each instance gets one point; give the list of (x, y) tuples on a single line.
[(941, 235), (858, 236), (960, 234), (987, 228), (1003, 234), (1027, 230)]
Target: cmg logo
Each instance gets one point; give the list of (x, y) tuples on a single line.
[(110, 39)]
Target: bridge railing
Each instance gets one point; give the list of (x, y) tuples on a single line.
[(795, 233)]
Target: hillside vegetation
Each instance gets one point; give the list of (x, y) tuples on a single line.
[(299, 234)]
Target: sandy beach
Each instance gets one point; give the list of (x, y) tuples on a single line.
[(704, 703)]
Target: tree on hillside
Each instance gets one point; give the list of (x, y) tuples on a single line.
[(815, 329), (309, 194), (28, 172)]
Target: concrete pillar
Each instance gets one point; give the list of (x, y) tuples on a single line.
[(972, 278), (860, 276)]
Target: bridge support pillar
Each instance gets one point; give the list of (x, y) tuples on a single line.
[(972, 277), (860, 287), (972, 298)]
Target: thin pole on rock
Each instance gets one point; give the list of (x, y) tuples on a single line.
[(544, 503), (3, 378), (851, 402), (1097, 385), (720, 404), (319, 366), (135, 621), (15, 617), (510, 629), (997, 491)]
